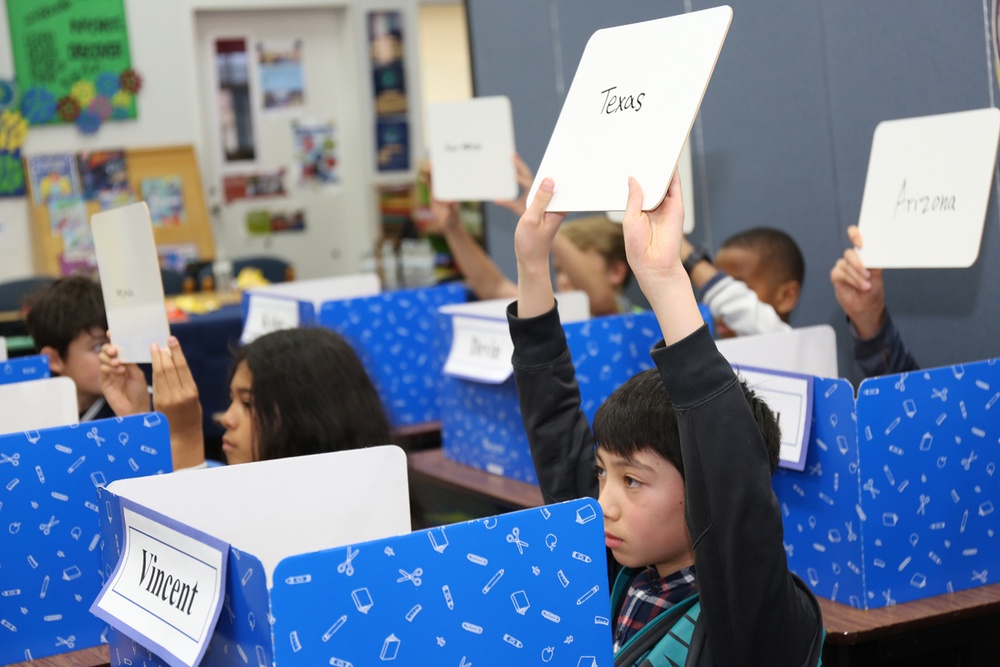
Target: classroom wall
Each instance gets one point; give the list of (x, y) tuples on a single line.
[(165, 51), (784, 132)]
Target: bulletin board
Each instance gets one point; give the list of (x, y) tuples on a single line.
[(141, 164)]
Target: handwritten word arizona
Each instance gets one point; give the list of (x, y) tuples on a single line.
[(921, 204), (613, 103)]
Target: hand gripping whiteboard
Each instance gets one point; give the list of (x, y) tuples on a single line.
[(927, 189), (629, 109)]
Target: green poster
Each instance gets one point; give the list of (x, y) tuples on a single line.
[(71, 57)]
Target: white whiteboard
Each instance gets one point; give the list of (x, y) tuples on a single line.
[(927, 189), (630, 108)]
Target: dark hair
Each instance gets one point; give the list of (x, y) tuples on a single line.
[(60, 312), (778, 251), (639, 415), (310, 394)]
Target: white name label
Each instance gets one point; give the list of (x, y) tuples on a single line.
[(790, 398), (167, 590), (480, 350), (266, 314)]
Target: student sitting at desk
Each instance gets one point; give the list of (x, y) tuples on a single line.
[(293, 392), (589, 255), (753, 284), (878, 347), (683, 457), (68, 324)]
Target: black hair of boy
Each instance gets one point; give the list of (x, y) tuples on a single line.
[(639, 416), (310, 394), (777, 250), (60, 312)]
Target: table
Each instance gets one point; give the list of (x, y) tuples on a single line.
[(97, 656), (431, 465)]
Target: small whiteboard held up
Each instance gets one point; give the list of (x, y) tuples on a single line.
[(131, 281), (628, 112), (472, 150), (927, 190)]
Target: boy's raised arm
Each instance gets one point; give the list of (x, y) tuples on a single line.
[(652, 244), (533, 240)]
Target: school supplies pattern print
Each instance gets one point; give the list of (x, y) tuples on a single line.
[(396, 336), (50, 563), (913, 513), (486, 592), (481, 424)]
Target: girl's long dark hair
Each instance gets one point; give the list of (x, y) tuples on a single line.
[(310, 394)]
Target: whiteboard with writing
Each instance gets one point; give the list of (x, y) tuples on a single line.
[(927, 189), (630, 107), (472, 149), (130, 280)]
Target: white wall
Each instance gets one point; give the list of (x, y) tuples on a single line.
[(163, 49)]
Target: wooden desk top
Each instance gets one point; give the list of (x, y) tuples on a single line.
[(847, 625), (431, 464), (97, 656)]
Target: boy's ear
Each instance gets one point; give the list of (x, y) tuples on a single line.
[(617, 273), (786, 296), (56, 363)]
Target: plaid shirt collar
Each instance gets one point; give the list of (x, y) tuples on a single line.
[(648, 596)]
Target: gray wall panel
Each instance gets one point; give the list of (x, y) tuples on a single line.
[(785, 130)]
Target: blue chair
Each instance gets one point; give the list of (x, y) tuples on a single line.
[(274, 269), (14, 292)]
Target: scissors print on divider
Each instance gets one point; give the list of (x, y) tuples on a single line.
[(92, 434), (347, 567), (47, 527), (411, 576), (69, 642), (13, 460), (515, 538)]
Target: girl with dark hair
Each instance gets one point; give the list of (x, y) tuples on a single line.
[(293, 392), (297, 392)]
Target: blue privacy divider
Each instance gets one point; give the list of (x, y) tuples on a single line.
[(397, 336), (50, 561), (528, 587), (33, 367), (481, 423), (898, 498)]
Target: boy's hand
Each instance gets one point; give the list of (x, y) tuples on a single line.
[(653, 245), (524, 180), (532, 244), (123, 385), (175, 394), (859, 291)]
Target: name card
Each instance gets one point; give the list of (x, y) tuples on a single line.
[(266, 314), (472, 149), (167, 590), (481, 350), (927, 190), (629, 109), (789, 395), (130, 280), (42, 403)]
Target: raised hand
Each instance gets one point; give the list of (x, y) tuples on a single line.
[(175, 394), (532, 244), (524, 180), (859, 290), (123, 385)]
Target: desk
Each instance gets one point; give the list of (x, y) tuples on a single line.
[(97, 656), (431, 465)]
